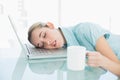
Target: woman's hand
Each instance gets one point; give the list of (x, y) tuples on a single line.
[(95, 59)]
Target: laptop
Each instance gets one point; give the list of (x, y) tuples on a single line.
[(33, 53)]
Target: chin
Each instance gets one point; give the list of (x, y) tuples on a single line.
[(58, 47)]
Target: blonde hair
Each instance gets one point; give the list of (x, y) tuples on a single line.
[(34, 26)]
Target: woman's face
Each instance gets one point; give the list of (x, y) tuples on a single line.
[(48, 38)]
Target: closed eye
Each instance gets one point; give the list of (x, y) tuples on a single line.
[(44, 35), (40, 34)]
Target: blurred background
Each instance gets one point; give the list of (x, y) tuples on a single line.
[(61, 13)]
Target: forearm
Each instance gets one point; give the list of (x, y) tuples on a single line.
[(111, 66), (95, 59)]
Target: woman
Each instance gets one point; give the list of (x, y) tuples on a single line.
[(105, 45)]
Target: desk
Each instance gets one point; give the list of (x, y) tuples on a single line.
[(19, 69), (15, 66)]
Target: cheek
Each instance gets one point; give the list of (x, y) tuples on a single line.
[(35, 40)]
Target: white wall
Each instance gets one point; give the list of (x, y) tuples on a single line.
[(42, 10), (104, 12), (98, 11), (66, 12)]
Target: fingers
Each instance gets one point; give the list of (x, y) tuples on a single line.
[(93, 59)]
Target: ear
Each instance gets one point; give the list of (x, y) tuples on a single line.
[(50, 25)]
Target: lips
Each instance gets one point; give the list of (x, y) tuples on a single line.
[(54, 43)]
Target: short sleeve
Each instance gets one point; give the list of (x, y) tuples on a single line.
[(94, 32), (90, 32)]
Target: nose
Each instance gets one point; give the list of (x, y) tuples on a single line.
[(48, 42)]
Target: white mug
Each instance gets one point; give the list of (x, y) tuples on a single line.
[(76, 57)]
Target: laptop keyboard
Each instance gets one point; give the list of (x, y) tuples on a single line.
[(40, 51), (44, 52)]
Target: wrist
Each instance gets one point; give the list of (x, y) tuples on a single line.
[(105, 62)]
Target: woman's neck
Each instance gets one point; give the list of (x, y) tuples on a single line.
[(62, 36)]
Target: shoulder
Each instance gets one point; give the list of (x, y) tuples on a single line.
[(86, 26)]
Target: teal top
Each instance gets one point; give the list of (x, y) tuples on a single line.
[(86, 34)]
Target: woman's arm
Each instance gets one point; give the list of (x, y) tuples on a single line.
[(103, 47), (98, 60), (105, 57)]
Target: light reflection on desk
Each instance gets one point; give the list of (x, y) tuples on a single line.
[(53, 70)]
